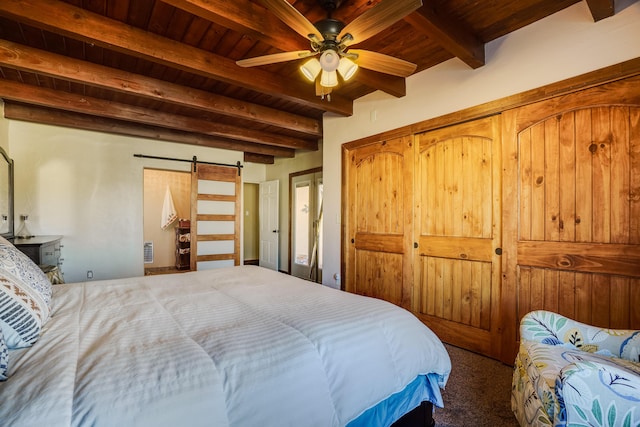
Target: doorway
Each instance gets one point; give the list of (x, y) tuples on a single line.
[(160, 242), (251, 224), (305, 234)]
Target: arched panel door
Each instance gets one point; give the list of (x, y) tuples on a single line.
[(378, 237), (573, 178), (457, 224)]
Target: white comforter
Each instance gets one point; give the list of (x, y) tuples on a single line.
[(240, 346)]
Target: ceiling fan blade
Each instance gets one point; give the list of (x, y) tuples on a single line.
[(379, 17), (292, 17), (275, 58), (383, 63)]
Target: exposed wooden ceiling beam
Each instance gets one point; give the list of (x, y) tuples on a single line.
[(258, 158), (41, 62), (601, 9), (42, 115), (395, 86), (63, 18), (450, 35), (98, 107), (246, 17)]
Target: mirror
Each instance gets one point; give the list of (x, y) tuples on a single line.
[(6, 196)]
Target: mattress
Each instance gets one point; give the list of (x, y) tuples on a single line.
[(239, 346)]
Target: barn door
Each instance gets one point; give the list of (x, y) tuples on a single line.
[(379, 181), (215, 216), (573, 180), (458, 233)]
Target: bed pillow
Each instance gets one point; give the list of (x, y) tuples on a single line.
[(25, 297), (4, 358)]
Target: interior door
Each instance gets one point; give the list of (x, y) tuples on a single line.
[(378, 237), (458, 234), (573, 180), (215, 216), (269, 224)]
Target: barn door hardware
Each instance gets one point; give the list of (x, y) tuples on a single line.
[(193, 160)]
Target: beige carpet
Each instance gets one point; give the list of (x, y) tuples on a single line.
[(478, 393)]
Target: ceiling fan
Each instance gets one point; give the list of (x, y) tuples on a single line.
[(331, 40)]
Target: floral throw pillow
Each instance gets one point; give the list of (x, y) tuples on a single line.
[(25, 297)]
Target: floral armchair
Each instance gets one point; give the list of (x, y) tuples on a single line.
[(568, 373)]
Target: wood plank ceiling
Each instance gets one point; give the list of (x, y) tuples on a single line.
[(165, 69)]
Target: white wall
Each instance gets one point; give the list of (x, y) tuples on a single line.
[(561, 46), (88, 187)]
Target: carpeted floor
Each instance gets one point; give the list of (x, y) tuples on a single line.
[(478, 393)]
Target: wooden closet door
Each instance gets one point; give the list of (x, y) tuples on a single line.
[(377, 238), (572, 184), (458, 230)]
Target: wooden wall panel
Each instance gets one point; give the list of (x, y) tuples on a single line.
[(537, 184), (380, 192), (583, 221), (456, 185), (590, 298), (567, 177), (378, 275), (589, 199), (457, 290)]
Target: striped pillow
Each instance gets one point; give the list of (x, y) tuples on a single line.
[(25, 296), (4, 358)]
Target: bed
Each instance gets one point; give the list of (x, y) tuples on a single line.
[(238, 346)]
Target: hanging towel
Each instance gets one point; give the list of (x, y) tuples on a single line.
[(169, 213)]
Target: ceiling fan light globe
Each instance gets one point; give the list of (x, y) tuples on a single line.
[(311, 69), (329, 79), (347, 68), (329, 60)]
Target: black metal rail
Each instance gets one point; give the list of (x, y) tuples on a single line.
[(193, 160)]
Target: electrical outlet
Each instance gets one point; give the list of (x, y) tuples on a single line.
[(89, 274)]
